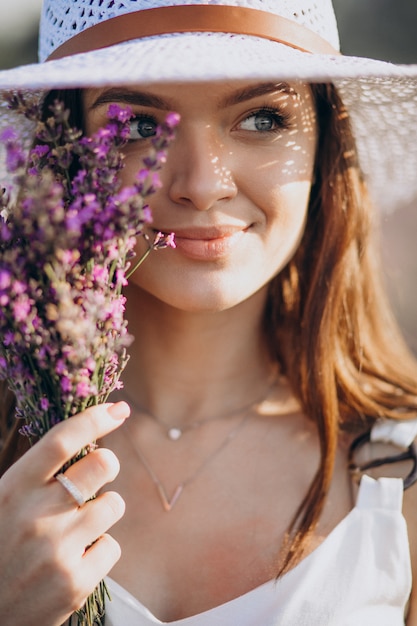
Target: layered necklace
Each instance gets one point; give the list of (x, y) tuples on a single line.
[(175, 433), (169, 503)]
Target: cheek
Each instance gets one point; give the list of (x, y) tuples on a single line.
[(281, 173), (132, 164), (285, 219)]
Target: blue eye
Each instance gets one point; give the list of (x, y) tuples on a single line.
[(142, 127), (264, 121)]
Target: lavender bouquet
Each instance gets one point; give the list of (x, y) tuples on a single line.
[(67, 237)]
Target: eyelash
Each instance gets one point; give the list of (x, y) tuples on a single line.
[(281, 119), (136, 120)]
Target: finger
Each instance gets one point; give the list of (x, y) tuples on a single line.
[(67, 438), (90, 568), (92, 472), (96, 517), (97, 561)]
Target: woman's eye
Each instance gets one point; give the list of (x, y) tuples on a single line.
[(264, 121), (142, 127)]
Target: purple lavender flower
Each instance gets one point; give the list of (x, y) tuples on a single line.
[(66, 245)]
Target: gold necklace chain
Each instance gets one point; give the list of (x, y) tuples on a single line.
[(169, 503), (174, 433)]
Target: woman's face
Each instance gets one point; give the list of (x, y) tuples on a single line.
[(235, 188)]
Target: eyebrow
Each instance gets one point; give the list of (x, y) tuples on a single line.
[(255, 91), (144, 98), (130, 96)]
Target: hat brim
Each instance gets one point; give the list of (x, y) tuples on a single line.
[(381, 97)]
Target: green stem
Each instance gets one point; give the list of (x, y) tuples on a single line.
[(140, 261)]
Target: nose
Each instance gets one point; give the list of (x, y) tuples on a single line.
[(199, 175)]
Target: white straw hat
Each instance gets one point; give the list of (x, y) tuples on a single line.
[(100, 42)]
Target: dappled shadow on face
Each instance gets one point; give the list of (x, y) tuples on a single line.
[(291, 151)]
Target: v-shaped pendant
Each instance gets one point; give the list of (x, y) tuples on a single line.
[(166, 503)]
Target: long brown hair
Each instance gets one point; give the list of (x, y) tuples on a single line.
[(327, 320)]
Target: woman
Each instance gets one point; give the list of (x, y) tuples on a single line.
[(263, 342)]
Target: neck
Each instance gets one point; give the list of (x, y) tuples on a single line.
[(187, 366)]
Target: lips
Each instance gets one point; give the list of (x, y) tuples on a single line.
[(208, 243)]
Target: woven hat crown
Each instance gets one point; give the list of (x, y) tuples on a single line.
[(63, 19)]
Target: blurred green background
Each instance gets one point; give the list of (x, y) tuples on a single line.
[(384, 29)]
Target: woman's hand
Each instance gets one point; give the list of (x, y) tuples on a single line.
[(46, 570)]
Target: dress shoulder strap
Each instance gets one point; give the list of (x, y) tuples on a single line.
[(382, 493), (401, 434)]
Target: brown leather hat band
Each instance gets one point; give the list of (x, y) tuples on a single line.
[(194, 18)]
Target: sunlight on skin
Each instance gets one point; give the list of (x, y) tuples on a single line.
[(236, 182)]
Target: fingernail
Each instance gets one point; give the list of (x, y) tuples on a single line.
[(119, 410)]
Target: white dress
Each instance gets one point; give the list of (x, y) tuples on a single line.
[(360, 575)]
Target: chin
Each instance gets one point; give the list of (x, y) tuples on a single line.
[(202, 303), (199, 289)]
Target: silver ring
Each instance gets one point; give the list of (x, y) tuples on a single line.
[(72, 489)]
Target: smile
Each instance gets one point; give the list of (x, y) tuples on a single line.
[(208, 244)]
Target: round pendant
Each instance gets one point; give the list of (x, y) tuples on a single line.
[(174, 434)]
